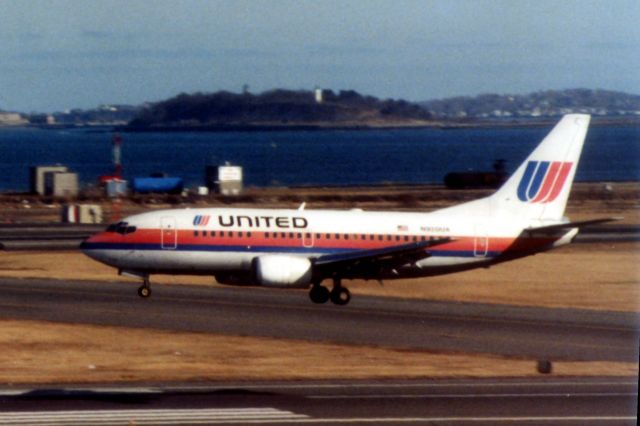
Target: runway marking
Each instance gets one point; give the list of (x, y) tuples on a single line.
[(463, 396), (155, 417), (406, 385), (250, 416)]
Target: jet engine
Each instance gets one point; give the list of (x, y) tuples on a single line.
[(282, 271)]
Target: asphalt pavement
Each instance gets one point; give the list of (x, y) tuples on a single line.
[(597, 401), (528, 332)]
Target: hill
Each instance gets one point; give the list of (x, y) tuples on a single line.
[(550, 103), (279, 108)]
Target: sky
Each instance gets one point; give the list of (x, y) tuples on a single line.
[(61, 54)]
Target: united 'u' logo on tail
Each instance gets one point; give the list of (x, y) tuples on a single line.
[(542, 181)]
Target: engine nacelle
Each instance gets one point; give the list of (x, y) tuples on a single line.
[(282, 271)]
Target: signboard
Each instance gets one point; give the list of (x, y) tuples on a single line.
[(229, 173)]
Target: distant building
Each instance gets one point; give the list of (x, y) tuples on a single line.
[(42, 119), (11, 119), (319, 95)]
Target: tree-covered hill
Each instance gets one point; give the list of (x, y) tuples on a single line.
[(278, 108)]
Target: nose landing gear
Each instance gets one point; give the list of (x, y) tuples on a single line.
[(144, 290)]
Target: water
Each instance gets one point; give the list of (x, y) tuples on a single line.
[(293, 158)]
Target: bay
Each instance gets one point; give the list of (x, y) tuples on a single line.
[(300, 158)]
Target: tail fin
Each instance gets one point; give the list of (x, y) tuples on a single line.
[(540, 187)]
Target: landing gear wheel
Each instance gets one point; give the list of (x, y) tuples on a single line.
[(319, 294), (144, 291), (340, 296)]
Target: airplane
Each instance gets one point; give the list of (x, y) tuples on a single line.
[(301, 248)]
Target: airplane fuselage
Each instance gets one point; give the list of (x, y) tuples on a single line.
[(224, 242)]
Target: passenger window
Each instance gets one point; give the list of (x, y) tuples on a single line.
[(195, 233), (249, 234)]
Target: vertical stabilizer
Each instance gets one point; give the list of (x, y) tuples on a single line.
[(540, 187)]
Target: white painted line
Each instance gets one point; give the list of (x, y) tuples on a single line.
[(472, 396), (143, 417)]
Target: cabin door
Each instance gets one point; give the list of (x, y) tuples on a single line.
[(481, 241), (168, 233)]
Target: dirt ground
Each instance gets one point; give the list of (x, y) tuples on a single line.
[(40, 353)]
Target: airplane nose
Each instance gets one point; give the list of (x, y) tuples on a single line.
[(90, 247)]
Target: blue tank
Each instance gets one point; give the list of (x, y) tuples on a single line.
[(165, 185)]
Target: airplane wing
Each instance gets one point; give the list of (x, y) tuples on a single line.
[(569, 225), (375, 259)]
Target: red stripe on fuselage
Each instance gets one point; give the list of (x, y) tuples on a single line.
[(319, 241)]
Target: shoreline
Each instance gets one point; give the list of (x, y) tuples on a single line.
[(596, 121)]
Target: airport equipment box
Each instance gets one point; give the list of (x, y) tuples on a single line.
[(61, 184), (225, 180), (38, 175), (81, 213)]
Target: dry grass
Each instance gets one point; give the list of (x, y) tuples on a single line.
[(589, 276), (41, 352)]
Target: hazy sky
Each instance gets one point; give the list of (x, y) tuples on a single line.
[(60, 54)]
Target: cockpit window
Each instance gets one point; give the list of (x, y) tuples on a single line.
[(121, 228)]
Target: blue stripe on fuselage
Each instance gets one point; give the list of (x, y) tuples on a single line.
[(259, 249)]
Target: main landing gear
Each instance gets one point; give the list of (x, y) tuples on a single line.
[(338, 295), (144, 290)]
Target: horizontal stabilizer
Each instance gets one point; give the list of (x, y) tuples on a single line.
[(569, 225)]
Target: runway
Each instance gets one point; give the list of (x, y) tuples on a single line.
[(528, 332), (610, 401)]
